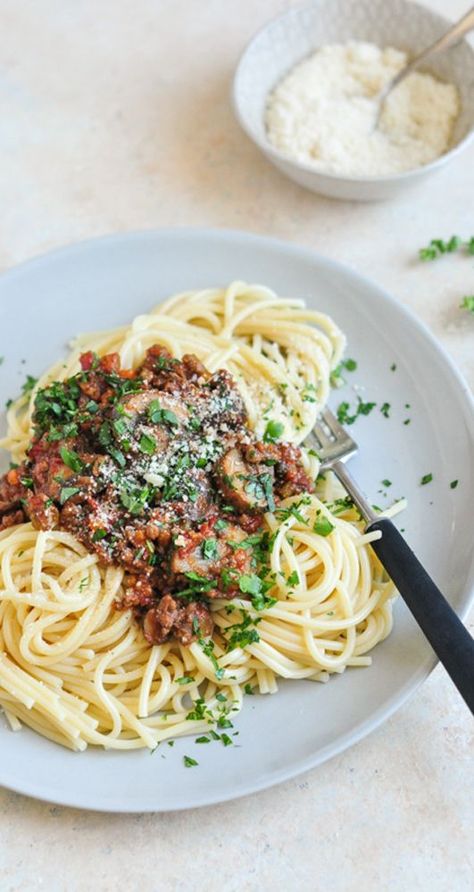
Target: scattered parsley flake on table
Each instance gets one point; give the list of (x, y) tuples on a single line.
[(467, 303)]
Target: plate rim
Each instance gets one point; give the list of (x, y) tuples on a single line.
[(402, 695)]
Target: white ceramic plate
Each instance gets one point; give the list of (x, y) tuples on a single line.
[(104, 283)]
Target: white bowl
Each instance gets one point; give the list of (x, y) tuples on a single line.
[(290, 38)]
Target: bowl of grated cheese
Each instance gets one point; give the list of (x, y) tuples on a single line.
[(306, 92)]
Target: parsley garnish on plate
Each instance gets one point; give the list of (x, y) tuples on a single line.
[(427, 478), (454, 484), (336, 377), (189, 762), (347, 416)]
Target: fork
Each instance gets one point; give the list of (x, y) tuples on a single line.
[(445, 632)]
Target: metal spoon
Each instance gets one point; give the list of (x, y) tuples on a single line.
[(458, 30)]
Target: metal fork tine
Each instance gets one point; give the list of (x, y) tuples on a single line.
[(333, 443), (334, 426), (321, 436)]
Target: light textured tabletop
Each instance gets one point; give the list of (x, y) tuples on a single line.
[(116, 116)]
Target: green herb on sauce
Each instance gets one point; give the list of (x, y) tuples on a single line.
[(68, 492), (71, 459)]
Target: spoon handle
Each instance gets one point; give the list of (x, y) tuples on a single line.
[(458, 30)]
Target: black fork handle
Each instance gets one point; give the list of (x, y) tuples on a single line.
[(449, 639)]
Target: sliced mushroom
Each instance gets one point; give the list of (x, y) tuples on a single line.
[(248, 487)]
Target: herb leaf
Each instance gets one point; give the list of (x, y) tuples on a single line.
[(273, 431), (189, 762), (467, 302), (345, 416), (71, 459), (67, 492), (323, 526)]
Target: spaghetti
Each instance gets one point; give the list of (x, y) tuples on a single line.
[(78, 670)]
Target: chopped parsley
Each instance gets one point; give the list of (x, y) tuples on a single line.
[(386, 482), (200, 583), (207, 648), (393, 367), (29, 384), (347, 416), (199, 712), (293, 511), (157, 415), (260, 486), (467, 303), (189, 762), (248, 689), (385, 410), (454, 484), (147, 444), (273, 431), (307, 394), (185, 679), (135, 498), (263, 602), (243, 633), (323, 526), (336, 378), (427, 478), (250, 584), (293, 579), (349, 364), (437, 247), (68, 492), (210, 550), (98, 535), (71, 459)]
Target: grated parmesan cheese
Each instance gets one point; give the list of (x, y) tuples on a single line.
[(323, 112)]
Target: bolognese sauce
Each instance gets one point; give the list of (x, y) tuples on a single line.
[(155, 469)]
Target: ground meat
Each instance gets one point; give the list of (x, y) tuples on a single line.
[(170, 618), (290, 475), (11, 519), (154, 469)]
